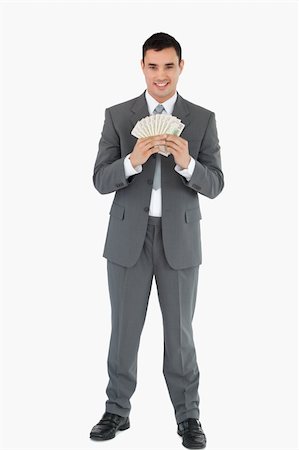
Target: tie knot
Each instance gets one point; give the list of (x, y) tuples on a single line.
[(159, 108)]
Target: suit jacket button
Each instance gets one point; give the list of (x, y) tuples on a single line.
[(146, 209), (149, 181)]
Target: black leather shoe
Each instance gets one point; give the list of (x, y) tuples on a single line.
[(108, 425), (193, 436)]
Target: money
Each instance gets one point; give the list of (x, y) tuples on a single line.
[(157, 124)]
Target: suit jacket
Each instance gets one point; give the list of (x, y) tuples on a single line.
[(181, 213)]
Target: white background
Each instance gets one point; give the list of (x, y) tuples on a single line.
[(64, 63)]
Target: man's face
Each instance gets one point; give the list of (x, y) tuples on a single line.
[(161, 68)]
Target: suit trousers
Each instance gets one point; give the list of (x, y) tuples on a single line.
[(129, 290)]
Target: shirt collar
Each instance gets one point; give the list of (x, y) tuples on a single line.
[(152, 103)]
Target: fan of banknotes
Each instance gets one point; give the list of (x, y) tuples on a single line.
[(158, 124)]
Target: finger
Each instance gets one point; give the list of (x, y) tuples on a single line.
[(152, 150), (153, 138), (174, 138), (154, 144), (173, 145), (157, 138), (171, 150)]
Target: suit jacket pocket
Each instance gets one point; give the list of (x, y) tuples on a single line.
[(192, 215), (117, 211)]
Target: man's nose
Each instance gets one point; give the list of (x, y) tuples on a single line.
[(161, 75)]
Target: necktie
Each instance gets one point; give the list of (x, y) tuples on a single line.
[(157, 176)]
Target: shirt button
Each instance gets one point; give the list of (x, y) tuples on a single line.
[(146, 209)]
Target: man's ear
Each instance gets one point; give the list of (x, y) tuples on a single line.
[(182, 62), (141, 63)]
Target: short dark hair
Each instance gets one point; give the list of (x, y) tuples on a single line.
[(159, 41)]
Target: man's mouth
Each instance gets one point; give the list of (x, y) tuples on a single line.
[(162, 85)]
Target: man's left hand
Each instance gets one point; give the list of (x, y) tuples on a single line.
[(178, 147)]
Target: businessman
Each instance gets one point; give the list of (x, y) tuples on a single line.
[(154, 230)]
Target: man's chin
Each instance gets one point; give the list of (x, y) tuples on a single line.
[(161, 94)]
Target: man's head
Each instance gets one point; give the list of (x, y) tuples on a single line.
[(161, 63)]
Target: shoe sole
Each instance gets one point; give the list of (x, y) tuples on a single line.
[(192, 446), (100, 438)]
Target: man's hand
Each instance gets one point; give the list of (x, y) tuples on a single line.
[(178, 147), (145, 147)]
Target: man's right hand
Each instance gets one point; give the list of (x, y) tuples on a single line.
[(145, 147)]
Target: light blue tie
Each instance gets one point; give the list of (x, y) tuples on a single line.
[(157, 176)]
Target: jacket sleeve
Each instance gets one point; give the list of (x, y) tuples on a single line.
[(109, 171), (207, 178)]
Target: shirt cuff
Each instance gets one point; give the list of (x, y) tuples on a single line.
[(129, 169), (187, 173)]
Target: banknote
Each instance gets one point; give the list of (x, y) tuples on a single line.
[(157, 124)]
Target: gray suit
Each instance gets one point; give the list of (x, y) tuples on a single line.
[(139, 246), (180, 208)]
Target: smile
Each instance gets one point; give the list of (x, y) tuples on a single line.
[(162, 85)]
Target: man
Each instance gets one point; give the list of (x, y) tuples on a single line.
[(154, 229)]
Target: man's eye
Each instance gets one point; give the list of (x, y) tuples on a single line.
[(166, 67)]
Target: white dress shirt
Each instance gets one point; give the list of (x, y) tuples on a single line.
[(156, 196)]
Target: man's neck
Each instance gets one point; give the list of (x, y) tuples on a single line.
[(162, 99)]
